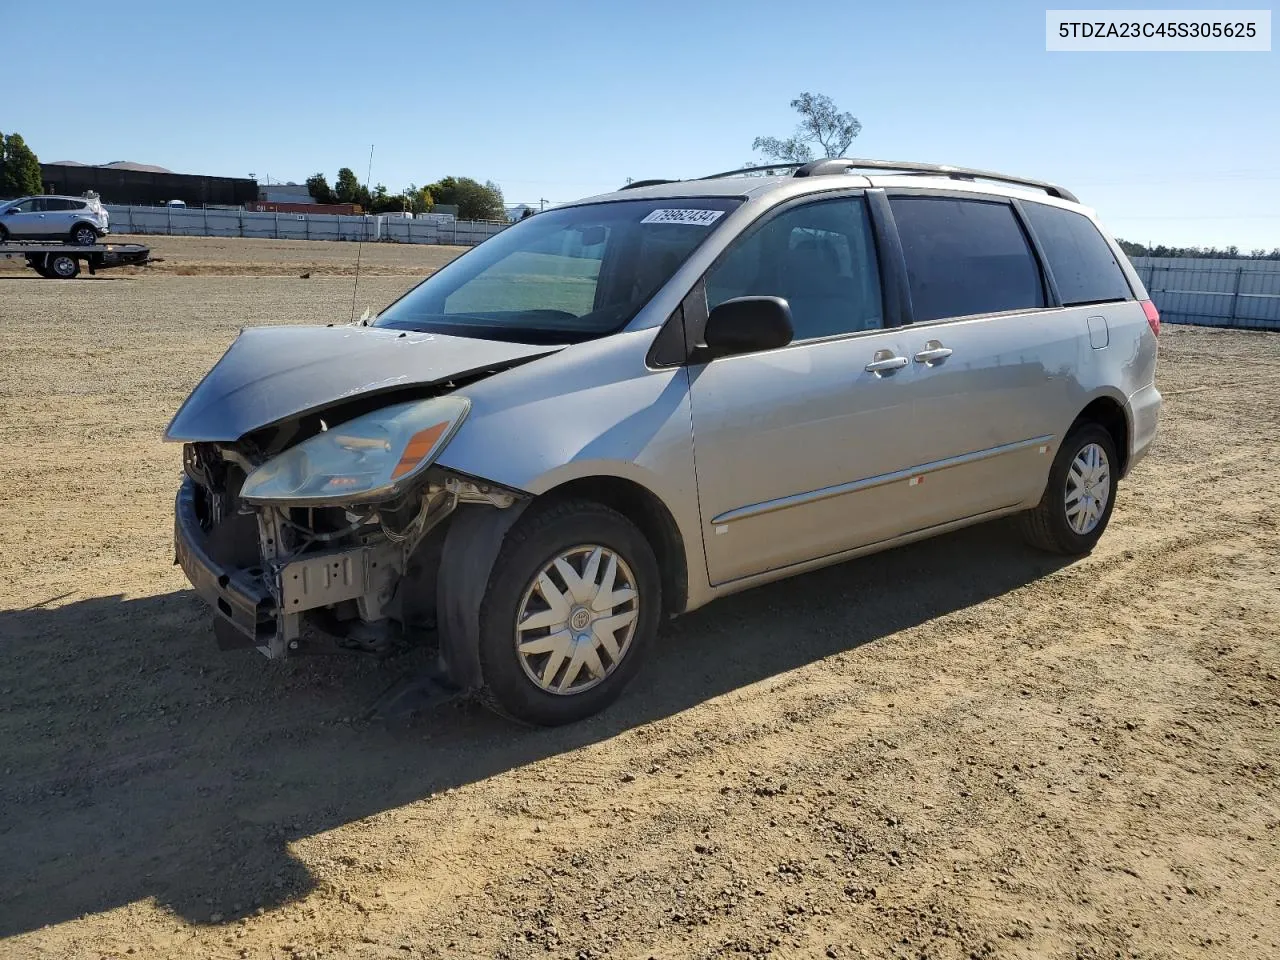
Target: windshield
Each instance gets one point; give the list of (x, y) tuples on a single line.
[(563, 276)]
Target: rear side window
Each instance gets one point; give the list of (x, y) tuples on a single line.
[(1083, 265), (57, 203), (965, 257)]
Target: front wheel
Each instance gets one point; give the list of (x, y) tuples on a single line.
[(83, 235), (1081, 493), (573, 601)]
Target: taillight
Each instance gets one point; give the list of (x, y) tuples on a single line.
[(1153, 316)]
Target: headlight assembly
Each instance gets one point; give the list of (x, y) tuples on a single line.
[(373, 457)]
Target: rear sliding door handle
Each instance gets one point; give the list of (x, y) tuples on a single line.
[(886, 362), (933, 352)]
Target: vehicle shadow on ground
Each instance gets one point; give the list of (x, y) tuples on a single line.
[(140, 762)]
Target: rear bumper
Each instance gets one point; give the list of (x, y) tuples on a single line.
[(237, 598), (1144, 417)]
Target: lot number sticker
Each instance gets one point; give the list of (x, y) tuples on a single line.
[(700, 218)]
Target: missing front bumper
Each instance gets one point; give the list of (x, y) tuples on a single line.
[(263, 605), (237, 597)]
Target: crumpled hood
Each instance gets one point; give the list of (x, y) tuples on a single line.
[(271, 374)]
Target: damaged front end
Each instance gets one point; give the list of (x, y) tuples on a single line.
[(290, 577), (311, 512)]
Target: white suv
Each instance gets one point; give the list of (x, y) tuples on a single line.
[(76, 220)]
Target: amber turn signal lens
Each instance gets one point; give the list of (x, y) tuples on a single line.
[(419, 448)]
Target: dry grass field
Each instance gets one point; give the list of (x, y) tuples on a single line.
[(960, 749)]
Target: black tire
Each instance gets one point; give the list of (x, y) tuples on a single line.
[(535, 541), (1047, 526), (60, 266), (4, 235), (83, 235)]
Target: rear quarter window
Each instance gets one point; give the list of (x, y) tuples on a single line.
[(1083, 265), (965, 257)]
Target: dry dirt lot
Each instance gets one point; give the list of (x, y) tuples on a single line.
[(958, 749), (219, 256)]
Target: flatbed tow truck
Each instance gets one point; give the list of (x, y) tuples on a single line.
[(61, 261)]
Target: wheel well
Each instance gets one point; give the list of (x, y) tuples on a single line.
[(1107, 413), (82, 223), (654, 520)]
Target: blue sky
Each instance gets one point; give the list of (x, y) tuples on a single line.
[(557, 100)]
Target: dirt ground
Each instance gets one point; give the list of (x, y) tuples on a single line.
[(960, 749)]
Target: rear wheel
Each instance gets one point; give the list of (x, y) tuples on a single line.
[(83, 235), (573, 602), (60, 266), (4, 234), (1077, 503)]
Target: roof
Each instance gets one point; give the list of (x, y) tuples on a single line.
[(828, 174), (113, 165), (720, 187)]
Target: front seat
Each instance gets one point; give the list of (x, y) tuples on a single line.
[(821, 298)]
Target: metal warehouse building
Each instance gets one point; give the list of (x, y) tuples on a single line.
[(133, 183)]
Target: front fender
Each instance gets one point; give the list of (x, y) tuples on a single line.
[(593, 410)]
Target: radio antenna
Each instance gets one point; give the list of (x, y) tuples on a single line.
[(364, 228)]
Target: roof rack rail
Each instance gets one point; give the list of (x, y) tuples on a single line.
[(760, 169), (634, 184), (819, 168)]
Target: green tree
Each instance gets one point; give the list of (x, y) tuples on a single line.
[(383, 202), (418, 198), (318, 187), (474, 200), (821, 124), (347, 188), (19, 168), (1195, 253)]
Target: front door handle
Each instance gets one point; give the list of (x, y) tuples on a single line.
[(885, 361), (933, 352)]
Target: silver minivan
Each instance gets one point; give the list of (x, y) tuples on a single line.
[(75, 220), (618, 410)]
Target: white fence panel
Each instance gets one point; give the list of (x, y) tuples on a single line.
[(396, 230), (260, 225), (222, 222), (1215, 293)]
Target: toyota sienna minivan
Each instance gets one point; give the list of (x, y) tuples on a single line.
[(618, 410)]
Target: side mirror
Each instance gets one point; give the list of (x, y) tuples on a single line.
[(747, 325)]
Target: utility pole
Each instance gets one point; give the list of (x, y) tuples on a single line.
[(543, 207)]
